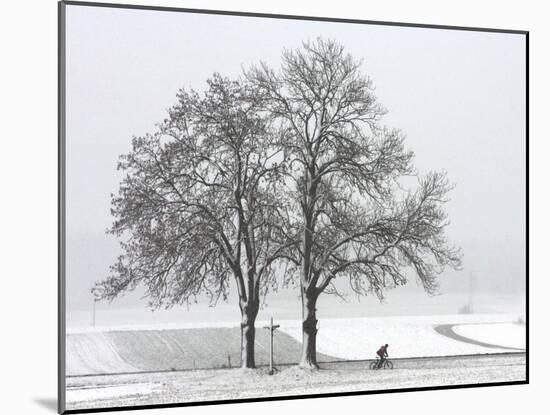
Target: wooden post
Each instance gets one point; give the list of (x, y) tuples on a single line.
[(271, 328), (271, 347), (229, 360)]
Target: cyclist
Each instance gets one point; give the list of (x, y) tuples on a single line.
[(382, 354)]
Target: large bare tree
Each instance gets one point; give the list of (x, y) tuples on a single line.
[(353, 218), (198, 206)]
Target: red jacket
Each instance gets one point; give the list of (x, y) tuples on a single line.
[(383, 351)]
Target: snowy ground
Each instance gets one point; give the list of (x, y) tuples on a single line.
[(505, 334), (413, 336), (192, 386), (93, 354), (146, 366), (124, 351)]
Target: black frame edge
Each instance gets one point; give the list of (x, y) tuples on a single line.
[(527, 207), (292, 397)]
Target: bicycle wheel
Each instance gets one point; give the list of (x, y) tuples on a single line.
[(388, 365), (374, 365)]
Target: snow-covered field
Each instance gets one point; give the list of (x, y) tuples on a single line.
[(284, 306), (504, 334), (93, 354), (413, 336), (179, 347), (131, 351)]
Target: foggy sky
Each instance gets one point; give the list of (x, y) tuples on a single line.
[(458, 96)]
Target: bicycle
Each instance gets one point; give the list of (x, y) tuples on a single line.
[(375, 365)]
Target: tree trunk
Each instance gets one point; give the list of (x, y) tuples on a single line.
[(248, 332), (309, 331)]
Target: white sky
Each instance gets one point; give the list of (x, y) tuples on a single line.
[(459, 96)]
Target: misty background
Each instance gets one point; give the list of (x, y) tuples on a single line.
[(459, 96)]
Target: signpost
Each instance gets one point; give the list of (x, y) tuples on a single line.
[(271, 329)]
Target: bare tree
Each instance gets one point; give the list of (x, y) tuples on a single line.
[(354, 218), (197, 206)]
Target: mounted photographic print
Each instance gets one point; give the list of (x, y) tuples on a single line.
[(258, 207)]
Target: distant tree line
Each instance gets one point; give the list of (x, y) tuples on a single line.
[(280, 174)]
